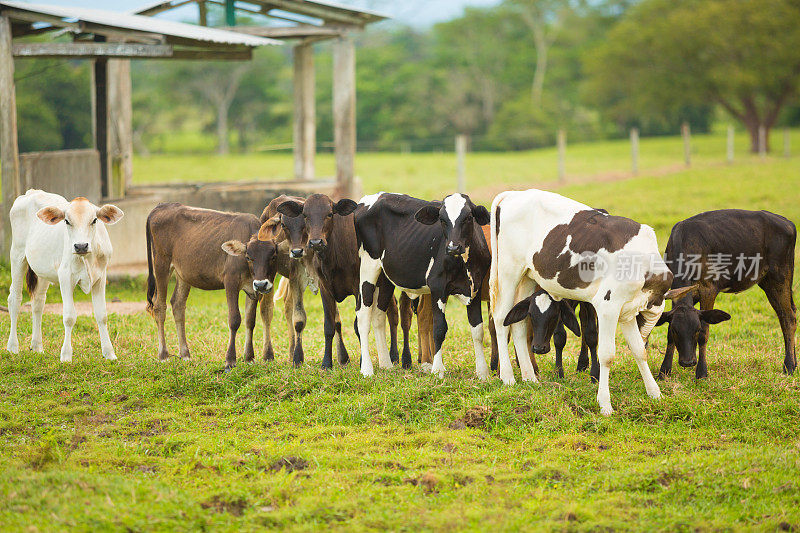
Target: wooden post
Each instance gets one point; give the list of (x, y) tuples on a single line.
[(730, 144), (687, 143), (9, 151), (120, 118), (787, 149), (101, 123), (203, 13), (344, 113), (762, 141), (562, 150), (305, 119), (635, 150), (461, 153)]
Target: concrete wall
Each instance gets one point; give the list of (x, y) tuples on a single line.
[(128, 235), (70, 173)]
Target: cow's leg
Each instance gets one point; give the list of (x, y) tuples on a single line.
[(368, 276), (178, 303), (19, 267), (583, 356), (392, 313), (630, 330), (69, 313), (666, 364), (266, 307), (559, 341), (37, 310), (779, 294), (607, 318), (101, 317), (341, 349), (234, 318), (508, 279), (288, 307), (519, 332), (406, 317), (706, 302), (298, 319), (425, 329), (476, 322), (329, 312), (386, 301), (493, 335), (439, 304), (250, 309), (161, 274)]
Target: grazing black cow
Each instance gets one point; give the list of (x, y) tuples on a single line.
[(423, 247), (729, 250), (327, 230)]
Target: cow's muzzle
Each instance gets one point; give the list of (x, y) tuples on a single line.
[(296, 253), (318, 245), (81, 248), (455, 249), (687, 363), (262, 285), (540, 349)]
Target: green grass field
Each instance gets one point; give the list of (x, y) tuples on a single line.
[(140, 445)]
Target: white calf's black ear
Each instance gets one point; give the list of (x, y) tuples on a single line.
[(714, 316), (234, 248), (665, 317), (481, 215), (518, 312), (50, 215), (290, 208), (344, 207), (427, 215), (568, 318), (110, 214)]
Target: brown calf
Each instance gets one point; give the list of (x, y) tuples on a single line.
[(208, 250)]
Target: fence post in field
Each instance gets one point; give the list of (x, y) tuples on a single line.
[(461, 152), (405, 148), (635, 150), (730, 144), (786, 146), (762, 141), (562, 150), (687, 143)]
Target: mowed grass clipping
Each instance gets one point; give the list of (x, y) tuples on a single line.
[(141, 445)]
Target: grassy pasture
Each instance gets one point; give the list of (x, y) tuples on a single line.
[(137, 444)]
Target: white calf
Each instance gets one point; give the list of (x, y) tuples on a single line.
[(56, 241), (573, 251)]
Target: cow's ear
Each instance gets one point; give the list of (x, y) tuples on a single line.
[(676, 294), (110, 214), (290, 208), (427, 215), (518, 312), (481, 215), (344, 207), (234, 248), (50, 215), (568, 318), (714, 316), (272, 230), (665, 317)]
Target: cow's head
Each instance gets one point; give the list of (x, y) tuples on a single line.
[(544, 313), (261, 254), (686, 323), (309, 224), (81, 218), (458, 216)]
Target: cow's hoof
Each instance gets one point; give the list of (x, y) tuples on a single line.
[(367, 372), (13, 347), (37, 346), (606, 411), (66, 357), (438, 371), (483, 375), (426, 367), (508, 379), (655, 394), (111, 356), (530, 377)]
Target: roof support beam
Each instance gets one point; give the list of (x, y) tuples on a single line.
[(90, 50), (344, 114), (9, 151), (290, 32), (305, 119)]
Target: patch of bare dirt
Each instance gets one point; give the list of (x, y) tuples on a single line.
[(290, 464)]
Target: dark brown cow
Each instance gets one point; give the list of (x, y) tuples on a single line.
[(209, 250), (327, 230), (729, 250)]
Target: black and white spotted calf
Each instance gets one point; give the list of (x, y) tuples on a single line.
[(575, 252), (729, 250), (423, 247)]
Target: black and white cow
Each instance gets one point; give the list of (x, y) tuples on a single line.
[(576, 252), (423, 247)]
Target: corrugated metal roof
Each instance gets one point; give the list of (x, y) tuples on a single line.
[(140, 23)]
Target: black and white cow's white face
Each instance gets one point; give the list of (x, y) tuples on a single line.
[(458, 216), (544, 313)]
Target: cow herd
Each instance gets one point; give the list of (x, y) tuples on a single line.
[(536, 258)]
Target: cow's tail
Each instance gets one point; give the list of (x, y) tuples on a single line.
[(283, 289), (31, 280), (493, 276), (151, 279)]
